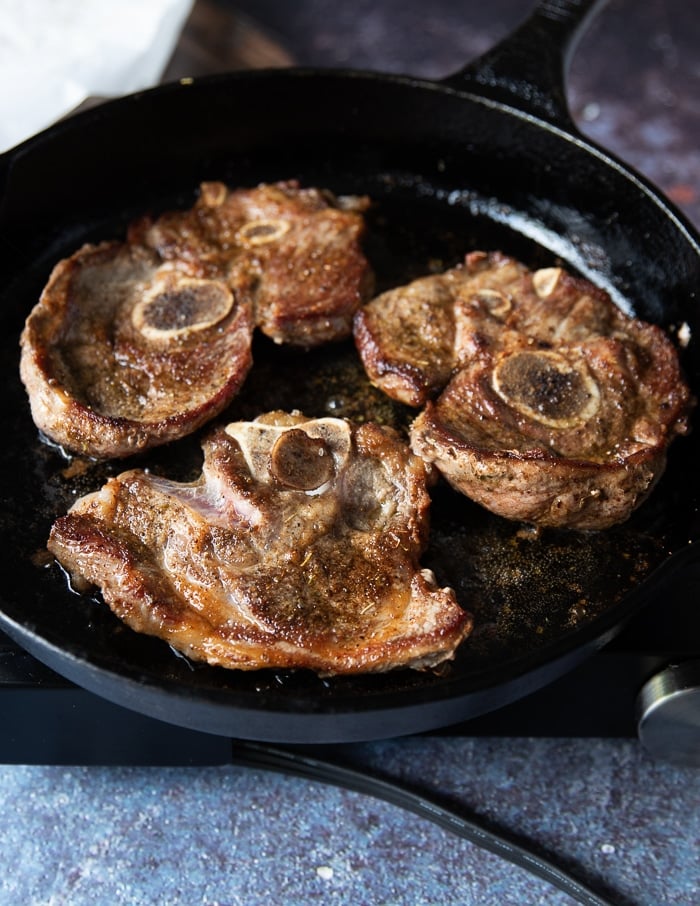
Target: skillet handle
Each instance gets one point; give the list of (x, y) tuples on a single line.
[(528, 68)]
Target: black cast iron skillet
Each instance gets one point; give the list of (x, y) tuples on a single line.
[(487, 158)]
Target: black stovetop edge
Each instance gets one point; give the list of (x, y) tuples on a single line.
[(45, 719)]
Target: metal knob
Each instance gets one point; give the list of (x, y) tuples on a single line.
[(668, 714)]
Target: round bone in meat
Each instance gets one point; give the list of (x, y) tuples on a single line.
[(138, 343), (266, 562), (542, 400), (124, 353)]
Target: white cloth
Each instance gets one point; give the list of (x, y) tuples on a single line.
[(56, 53)]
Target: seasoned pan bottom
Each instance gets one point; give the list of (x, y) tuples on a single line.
[(532, 593)]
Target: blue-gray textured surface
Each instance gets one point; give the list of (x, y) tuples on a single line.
[(228, 835)]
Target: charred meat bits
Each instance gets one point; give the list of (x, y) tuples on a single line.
[(542, 400), (298, 547)]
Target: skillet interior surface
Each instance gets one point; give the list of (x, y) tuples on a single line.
[(448, 172)]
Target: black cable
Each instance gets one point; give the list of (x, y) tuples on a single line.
[(299, 764)]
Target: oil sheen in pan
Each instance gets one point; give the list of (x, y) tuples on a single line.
[(527, 589)]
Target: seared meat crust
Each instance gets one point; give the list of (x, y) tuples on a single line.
[(138, 343), (300, 248), (299, 546), (109, 373), (543, 401)]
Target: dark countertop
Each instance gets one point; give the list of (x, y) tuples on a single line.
[(218, 834)]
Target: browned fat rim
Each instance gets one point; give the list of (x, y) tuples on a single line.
[(548, 387), (174, 308), (121, 436), (400, 380), (443, 437)]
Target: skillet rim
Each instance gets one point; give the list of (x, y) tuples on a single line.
[(450, 86), (597, 632)]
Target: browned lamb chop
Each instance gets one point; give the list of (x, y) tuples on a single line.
[(135, 344), (124, 352), (543, 401), (298, 547), (301, 247)]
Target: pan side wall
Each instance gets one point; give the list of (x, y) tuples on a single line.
[(355, 133)]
